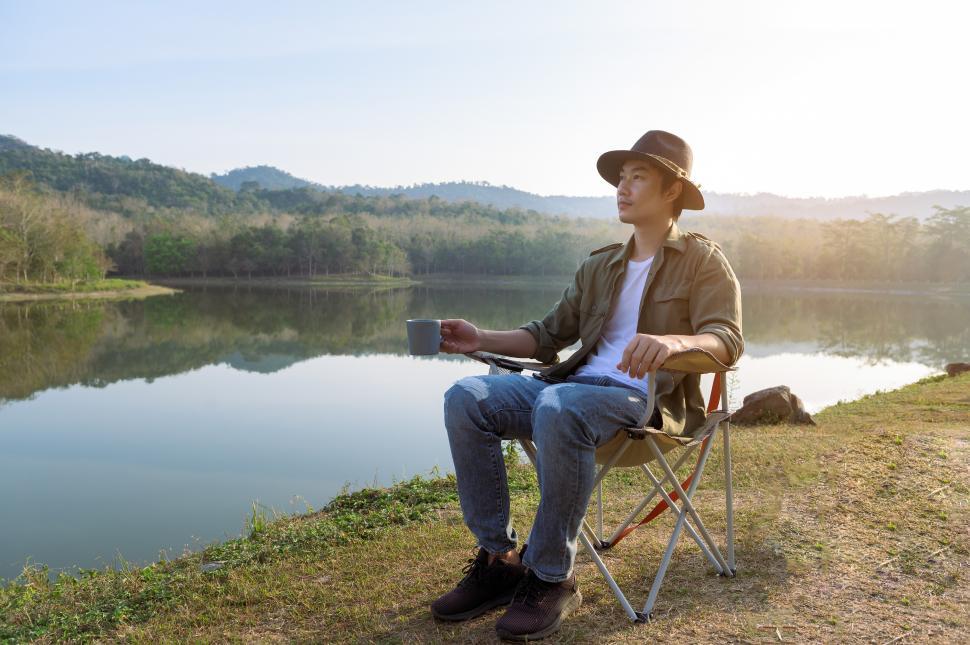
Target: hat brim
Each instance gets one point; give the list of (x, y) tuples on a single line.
[(610, 163)]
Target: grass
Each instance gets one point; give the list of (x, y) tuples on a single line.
[(854, 530), (99, 601), (86, 286), (110, 288)]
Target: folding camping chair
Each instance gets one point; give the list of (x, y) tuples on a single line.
[(637, 447)]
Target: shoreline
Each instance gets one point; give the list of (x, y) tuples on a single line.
[(135, 293), (284, 560), (896, 289), (165, 285), (282, 282), (807, 286)]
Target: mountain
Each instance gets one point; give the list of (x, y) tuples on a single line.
[(498, 196), (911, 204), (142, 190), (140, 186), (271, 178), (267, 177), (917, 204), (11, 144)]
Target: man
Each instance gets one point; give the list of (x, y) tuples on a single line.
[(632, 305)]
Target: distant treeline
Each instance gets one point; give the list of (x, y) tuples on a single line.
[(312, 247), (311, 234), (46, 235), (878, 248)]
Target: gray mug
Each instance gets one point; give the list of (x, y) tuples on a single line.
[(424, 336)]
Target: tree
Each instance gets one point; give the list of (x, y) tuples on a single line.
[(42, 238), (129, 254), (10, 254), (21, 216), (168, 254), (244, 251), (949, 233)]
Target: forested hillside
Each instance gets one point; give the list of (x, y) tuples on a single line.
[(65, 217), (130, 187)]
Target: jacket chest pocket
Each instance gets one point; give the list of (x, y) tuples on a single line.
[(670, 310), (592, 314)]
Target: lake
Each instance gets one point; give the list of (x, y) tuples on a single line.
[(139, 428)]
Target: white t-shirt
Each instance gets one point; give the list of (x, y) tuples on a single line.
[(620, 328)]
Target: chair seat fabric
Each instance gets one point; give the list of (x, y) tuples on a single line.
[(639, 453)]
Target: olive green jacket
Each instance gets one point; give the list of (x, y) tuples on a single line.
[(690, 289)]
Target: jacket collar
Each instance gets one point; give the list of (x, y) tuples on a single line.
[(675, 240)]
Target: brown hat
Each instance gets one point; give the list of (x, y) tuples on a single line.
[(667, 151)]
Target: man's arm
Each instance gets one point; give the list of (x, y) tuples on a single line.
[(460, 337), (647, 352), (715, 305), (715, 314), (709, 342), (538, 339)]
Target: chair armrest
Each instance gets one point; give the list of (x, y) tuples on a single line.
[(507, 363), (695, 360)]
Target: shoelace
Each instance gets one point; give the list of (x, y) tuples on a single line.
[(530, 590), (473, 570)]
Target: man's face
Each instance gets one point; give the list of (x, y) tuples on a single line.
[(639, 196)]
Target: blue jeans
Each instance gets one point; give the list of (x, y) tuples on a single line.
[(567, 422)]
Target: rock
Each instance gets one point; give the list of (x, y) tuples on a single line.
[(772, 405), (957, 368)]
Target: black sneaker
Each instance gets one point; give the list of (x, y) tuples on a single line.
[(538, 608), (484, 586)]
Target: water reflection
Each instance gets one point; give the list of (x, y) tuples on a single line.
[(138, 426), (876, 327), (95, 344), (141, 466)]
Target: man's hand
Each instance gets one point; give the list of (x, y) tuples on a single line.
[(459, 337), (646, 353)]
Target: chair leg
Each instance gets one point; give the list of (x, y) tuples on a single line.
[(686, 503), (728, 477), (677, 511), (588, 537), (729, 500), (614, 587), (646, 500), (681, 519), (530, 450), (664, 563), (589, 532), (599, 511)]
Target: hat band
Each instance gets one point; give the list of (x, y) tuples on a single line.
[(671, 165)]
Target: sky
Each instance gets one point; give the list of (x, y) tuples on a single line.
[(795, 98)]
